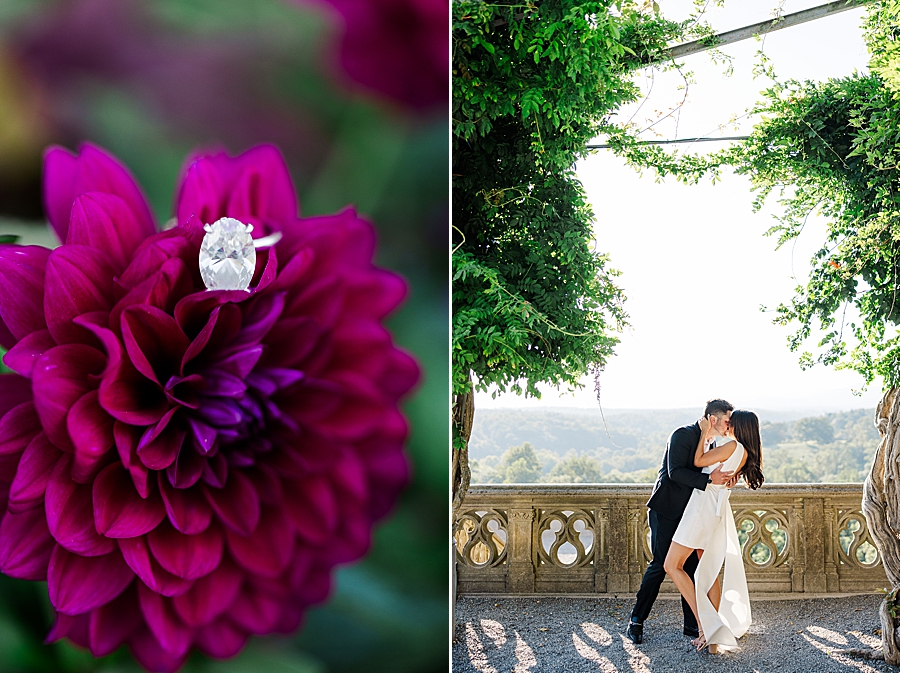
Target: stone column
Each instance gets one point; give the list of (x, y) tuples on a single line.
[(617, 579), (814, 541), (520, 578)]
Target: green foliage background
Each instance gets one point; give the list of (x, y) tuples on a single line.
[(533, 300), (388, 612)]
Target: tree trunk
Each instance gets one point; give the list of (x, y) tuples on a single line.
[(881, 506), (463, 415)]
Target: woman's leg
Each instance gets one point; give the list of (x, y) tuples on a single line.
[(674, 566), (715, 592)]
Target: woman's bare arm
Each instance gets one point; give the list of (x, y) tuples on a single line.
[(717, 455)]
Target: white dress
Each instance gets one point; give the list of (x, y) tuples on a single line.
[(708, 524)]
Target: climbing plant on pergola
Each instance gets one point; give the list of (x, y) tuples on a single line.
[(534, 300)]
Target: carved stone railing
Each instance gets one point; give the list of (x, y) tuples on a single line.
[(541, 538)]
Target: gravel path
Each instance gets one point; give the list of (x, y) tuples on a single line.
[(571, 635)]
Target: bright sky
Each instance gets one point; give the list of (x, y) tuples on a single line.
[(695, 264)]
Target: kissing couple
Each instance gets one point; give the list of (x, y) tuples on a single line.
[(692, 531)]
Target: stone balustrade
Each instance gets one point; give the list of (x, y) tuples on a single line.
[(554, 538)]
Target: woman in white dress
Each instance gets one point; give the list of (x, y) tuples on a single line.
[(723, 613)]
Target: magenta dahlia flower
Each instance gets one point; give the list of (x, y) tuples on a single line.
[(185, 467)]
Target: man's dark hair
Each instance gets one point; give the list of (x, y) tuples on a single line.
[(717, 408)]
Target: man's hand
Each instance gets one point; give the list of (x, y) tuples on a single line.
[(732, 481), (720, 477)]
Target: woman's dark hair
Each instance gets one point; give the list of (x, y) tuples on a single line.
[(746, 430)]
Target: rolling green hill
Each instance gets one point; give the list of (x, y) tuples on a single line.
[(576, 446)]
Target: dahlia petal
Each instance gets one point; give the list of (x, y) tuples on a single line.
[(145, 648), (22, 274), (187, 556), (255, 611), (236, 504), (188, 510), (162, 449), (112, 624), (266, 270), (91, 170), (128, 396), (37, 463), (267, 483), (222, 384), (361, 410), (221, 327), (78, 281), (185, 390), (119, 511), (353, 539), (107, 223), (136, 552), (373, 294), (267, 550), (18, 427), (200, 193), (60, 377), (400, 375), (294, 271), (193, 311), (170, 282), (221, 639), (210, 596), (317, 585), (74, 627), (204, 434), (263, 189), (78, 584), (349, 476), (322, 300), (14, 391), (7, 340), (154, 341), (21, 357), (240, 364), (215, 470), (91, 430), (186, 470), (173, 635), (262, 315), (220, 413), (312, 507), (127, 438), (70, 513), (25, 545), (342, 241), (313, 401), (154, 254)]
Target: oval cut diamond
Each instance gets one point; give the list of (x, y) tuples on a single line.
[(227, 255)]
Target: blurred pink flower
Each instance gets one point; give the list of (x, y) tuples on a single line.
[(399, 48), (185, 467)]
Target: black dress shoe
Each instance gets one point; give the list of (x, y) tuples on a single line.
[(635, 632), (693, 633)]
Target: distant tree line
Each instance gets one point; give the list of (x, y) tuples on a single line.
[(836, 447)]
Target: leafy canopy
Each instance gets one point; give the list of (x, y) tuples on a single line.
[(533, 301), (829, 147)]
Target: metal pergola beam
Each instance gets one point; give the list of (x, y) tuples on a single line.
[(763, 27)]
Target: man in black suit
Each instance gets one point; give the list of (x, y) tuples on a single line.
[(676, 481)]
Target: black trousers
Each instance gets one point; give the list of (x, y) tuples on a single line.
[(661, 532)]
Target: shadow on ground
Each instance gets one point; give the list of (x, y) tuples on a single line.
[(571, 635)]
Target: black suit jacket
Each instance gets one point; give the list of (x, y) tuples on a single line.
[(678, 476)]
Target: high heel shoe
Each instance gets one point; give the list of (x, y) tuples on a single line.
[(700, 642)]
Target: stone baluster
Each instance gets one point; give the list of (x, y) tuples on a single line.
[(521, 554)]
